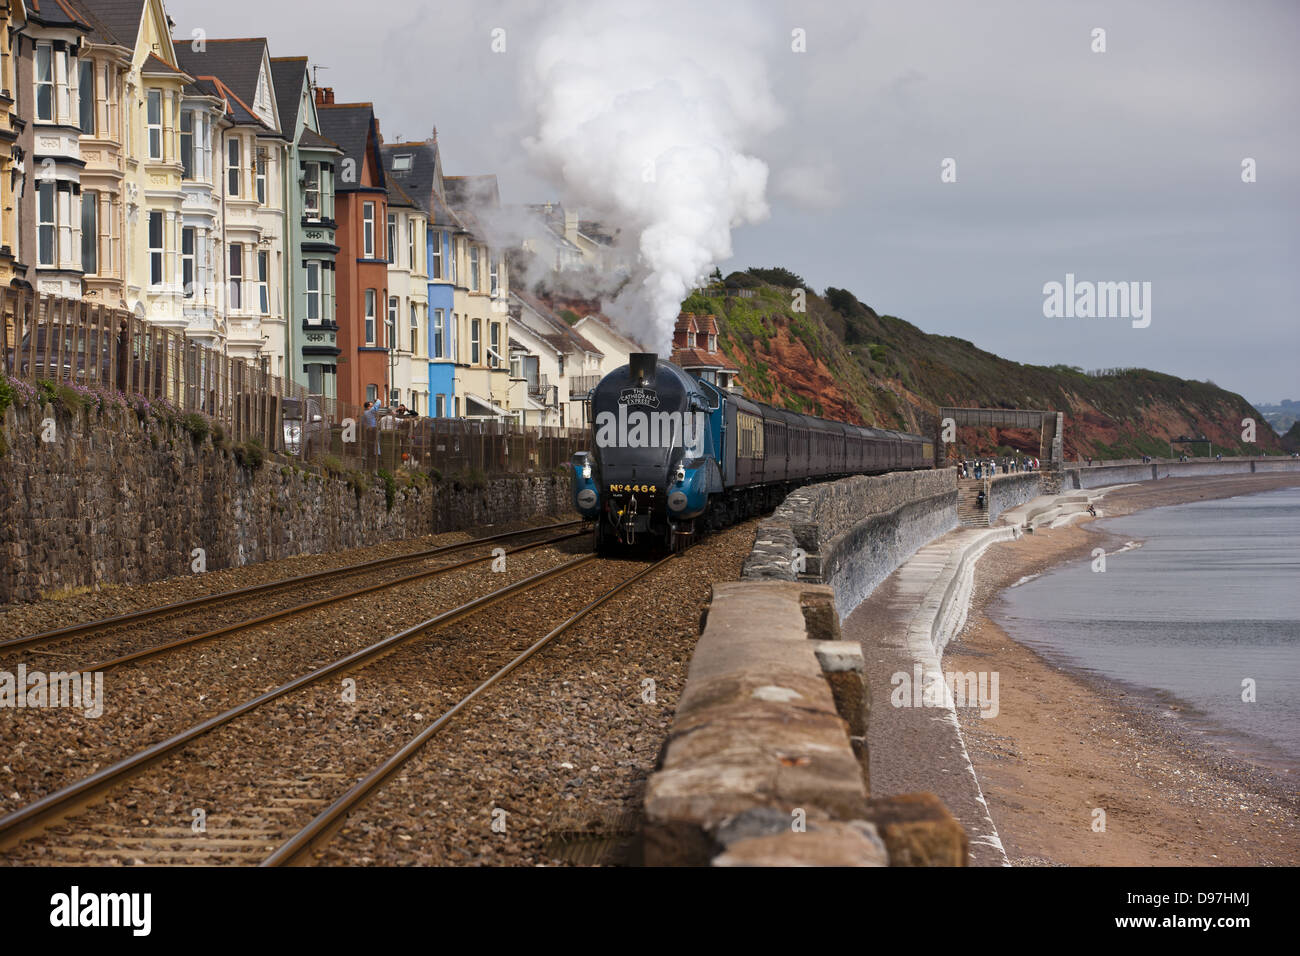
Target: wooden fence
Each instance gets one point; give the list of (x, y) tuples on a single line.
[(80, 343)]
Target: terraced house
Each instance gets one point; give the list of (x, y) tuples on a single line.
[(419, 171), (361, 211), (13, 17), (55, 30), (253, 195), (105, 60), (481, 302), (310, 248), (408, 284)]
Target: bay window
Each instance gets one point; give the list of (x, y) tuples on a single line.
[(46, 216), (86, 91), (368, 230), (390, 327), (311, 192), (415, 329), (370, 316), (187, 144)]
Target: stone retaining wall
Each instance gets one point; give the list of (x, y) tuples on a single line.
[(853, 533), (114, 500)]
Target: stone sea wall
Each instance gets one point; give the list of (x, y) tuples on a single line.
[(851, 534)]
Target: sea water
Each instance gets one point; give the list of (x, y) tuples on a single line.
[(1199, 611)]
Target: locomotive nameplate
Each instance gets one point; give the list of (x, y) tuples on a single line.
[(634, 488), (639, 396)]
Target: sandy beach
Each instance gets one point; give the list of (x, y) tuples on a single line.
[(1064, 745)]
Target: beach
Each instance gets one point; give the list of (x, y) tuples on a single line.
[(1066, 745)]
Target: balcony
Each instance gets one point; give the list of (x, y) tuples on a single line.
[(580, 385)]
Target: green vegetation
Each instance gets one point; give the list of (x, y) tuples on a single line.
[(897, 376), (568, 315), (251, 454), (390, 487), (197, 425)]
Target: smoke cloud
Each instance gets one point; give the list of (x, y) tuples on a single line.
[(647, 118)]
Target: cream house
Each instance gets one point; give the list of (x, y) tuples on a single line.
[(253, 157), (408, 285), (480, 303)]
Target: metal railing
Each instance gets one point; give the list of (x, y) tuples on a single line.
[(110, 354)]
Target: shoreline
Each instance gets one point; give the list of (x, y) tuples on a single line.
[(1068, 742)]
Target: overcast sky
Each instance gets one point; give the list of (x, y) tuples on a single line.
[(1117, 166)]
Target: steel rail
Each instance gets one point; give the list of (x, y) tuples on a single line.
[(332, 817), (157, 649), (163, 610), (15, 825)]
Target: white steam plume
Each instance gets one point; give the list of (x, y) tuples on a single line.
[(646, 118)]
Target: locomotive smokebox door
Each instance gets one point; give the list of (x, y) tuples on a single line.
[(641, 366)]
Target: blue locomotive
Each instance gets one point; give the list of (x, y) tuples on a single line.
[(672, 453)]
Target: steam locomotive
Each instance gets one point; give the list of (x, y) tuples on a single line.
[(672, 453)]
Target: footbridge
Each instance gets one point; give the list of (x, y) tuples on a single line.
[(1050, 425)]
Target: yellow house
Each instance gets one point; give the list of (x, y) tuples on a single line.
[(13, 16), (481, 303), (152, 168)]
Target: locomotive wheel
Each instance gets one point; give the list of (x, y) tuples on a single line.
[(602, 541)]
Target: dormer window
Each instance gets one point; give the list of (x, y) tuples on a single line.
[(402, 163), (713, 343)]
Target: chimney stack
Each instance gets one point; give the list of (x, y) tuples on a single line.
[(324, 96)]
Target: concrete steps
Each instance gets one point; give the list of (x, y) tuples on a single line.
[(969, 512)]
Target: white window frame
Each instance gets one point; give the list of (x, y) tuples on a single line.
[(474, 272), (234, 157), (312, 212), (47, 223), (390, 325), (259, 166), (263, 281), (372, 301), (475, 343), (235, 258), (410, 242), (45, 83), (368, 230), (415, 329), (494, 275), (391, 236), (189, 260), (437, 256), (155, 130), (314, 270), (157, 253), (439, 333)]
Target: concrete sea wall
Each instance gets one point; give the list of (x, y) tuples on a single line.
[(1098, 476), (1007, 491)]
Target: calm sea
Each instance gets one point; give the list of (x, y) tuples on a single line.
[(1204, 596)]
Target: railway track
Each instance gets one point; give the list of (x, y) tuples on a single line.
[(257, 833), (60, 640)]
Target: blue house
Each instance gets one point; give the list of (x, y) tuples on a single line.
[(418, 167)]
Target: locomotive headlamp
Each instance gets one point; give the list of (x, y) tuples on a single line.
[(681, 474), (586, 471)]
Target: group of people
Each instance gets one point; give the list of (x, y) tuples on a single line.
[(988, 467), (376, 416)]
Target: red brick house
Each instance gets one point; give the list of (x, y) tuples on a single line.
[(361, 211), (695, 349)]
